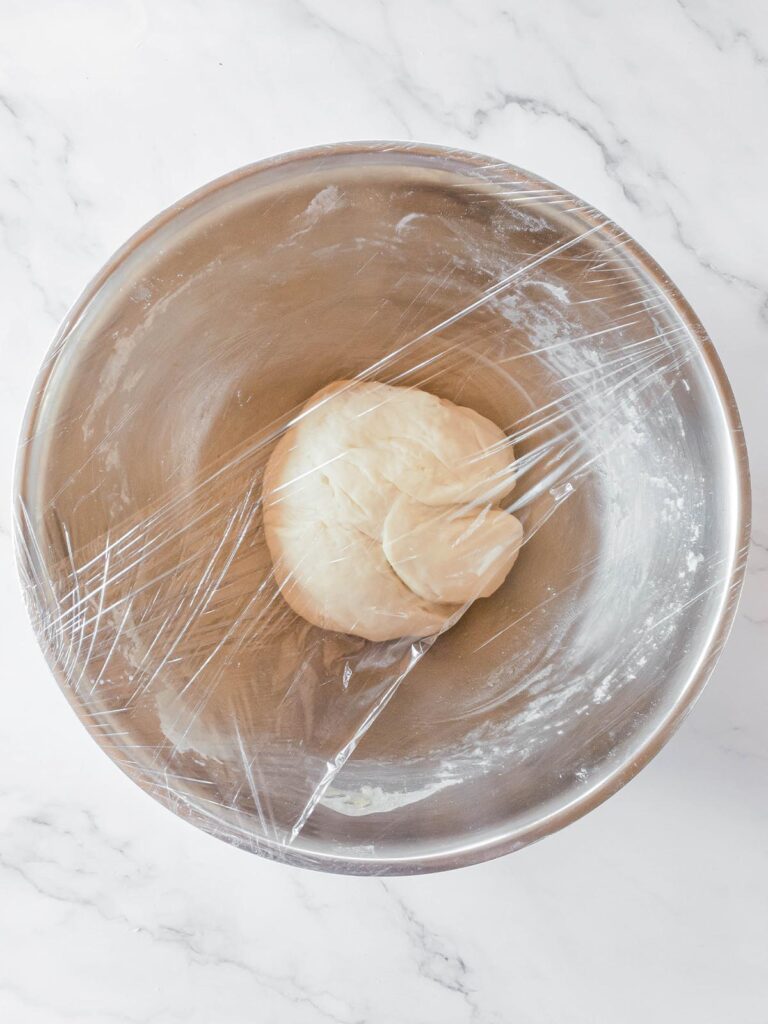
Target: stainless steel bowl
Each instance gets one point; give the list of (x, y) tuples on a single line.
[(137, 497)]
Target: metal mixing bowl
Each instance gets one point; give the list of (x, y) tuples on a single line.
[(139, 539)]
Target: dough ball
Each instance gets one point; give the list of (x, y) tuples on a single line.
[(380, 510)]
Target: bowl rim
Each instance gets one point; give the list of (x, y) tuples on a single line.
[(452, 854)]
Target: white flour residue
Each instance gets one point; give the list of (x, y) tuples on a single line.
[(375, 800), (327, 199), (602, 691), (692, 560), (557, 291), (186, 734), (109, 378)]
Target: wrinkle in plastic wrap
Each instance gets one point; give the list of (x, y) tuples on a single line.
[(141, 544)]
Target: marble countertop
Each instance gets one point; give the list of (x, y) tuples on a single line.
[(653, 907)]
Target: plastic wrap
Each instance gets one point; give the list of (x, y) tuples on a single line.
[(139, 522)]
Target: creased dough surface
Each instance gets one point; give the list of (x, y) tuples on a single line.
[(381, 510)]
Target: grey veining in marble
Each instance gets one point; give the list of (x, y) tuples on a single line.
[(651, 907)]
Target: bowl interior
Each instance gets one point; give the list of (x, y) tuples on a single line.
[(140, 538)]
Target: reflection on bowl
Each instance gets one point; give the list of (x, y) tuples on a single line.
[(139, 535)]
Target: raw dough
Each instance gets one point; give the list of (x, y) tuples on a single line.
[(380, 510)]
